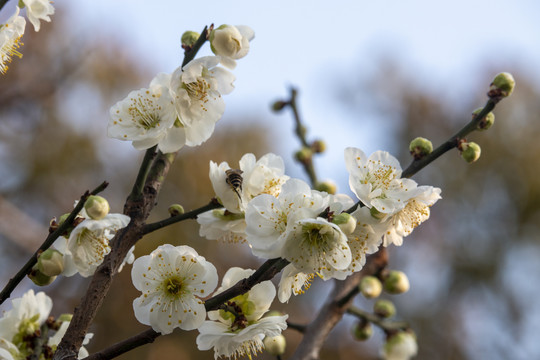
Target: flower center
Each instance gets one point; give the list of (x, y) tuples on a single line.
[(8, 50), (198, 89), (173, 286), (316, 235), (382, 176), (145, 111)]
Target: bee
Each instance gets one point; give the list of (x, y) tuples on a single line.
[(234, 180)]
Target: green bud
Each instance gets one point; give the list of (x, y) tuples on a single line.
[(420, 147), (62, 218), (396, 282), (318, 146), (346, 222), (97, 207), (400, 345), (470, 152), (176, 209), (275, 345), (502, 86), (362, 330), (303, 155), (384, 308), (370, 287), (50, 262), (486, 122), (189, 38), (279, 105), (326, 186), (39, 278)]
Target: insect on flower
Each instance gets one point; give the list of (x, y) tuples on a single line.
[(234, 180)]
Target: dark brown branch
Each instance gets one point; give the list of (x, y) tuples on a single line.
[(15, 280), (213, 204), (265, 272)]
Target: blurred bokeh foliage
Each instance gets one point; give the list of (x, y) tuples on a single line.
[(472, 266)]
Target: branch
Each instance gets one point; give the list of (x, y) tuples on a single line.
[(265, 272), (452, 142), (213, 204), (386, 325), (15, 280), (143, 172), (337, 304)]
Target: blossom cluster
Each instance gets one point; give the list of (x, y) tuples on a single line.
[(12, 31), (27, 319), (320, 234)]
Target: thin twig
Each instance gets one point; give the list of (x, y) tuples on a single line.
[(386, 325), (143, 172), (213, 204), (15, 280)]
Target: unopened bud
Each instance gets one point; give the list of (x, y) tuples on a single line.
[(97, 207), (401, 345), (396, 282), (176, 209), (502, 86), (370, 287), (327, 186), (384, 308), (486, 122), (39, 278), (279, 105), (318, 146), (420, 147), (63, 218), (50, 262), (470, 152), (303, 155), (346, 222), (362, 330), (275, 345), (189, 38)]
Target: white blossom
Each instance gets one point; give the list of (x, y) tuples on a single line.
[(172, 280), (293, 281), (10, 35), (231, 43), (376, 180), (37, 10), (26, 316), (147, 118), (196, 90), (219, 224), (240, 332)]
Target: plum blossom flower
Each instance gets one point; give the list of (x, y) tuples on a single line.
[(37, 10), (172, 280), (293, 281), (10, 39), (240, 331), (196, 90), (231, 43), (147, 117), (263, 176), (26, 316), (376, 180)]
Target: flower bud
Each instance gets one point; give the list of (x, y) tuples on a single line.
[(327, 186), (362, 330), (62, 218), (396, 282), (370, 287), (189, 38), (486, 122), (346, 222), (502, 86), (279, 105), (420, 147), (303, 155), (384, 308), (401, 345), (39, 278), (275, 345), (96, 207), (318, 146), (176, 209), (231, 41), (50, 262), (470, 152)]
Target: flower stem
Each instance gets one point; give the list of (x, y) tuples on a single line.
[(149, 156), (387, 326)]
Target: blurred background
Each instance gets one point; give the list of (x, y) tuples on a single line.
[(373, 76)]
